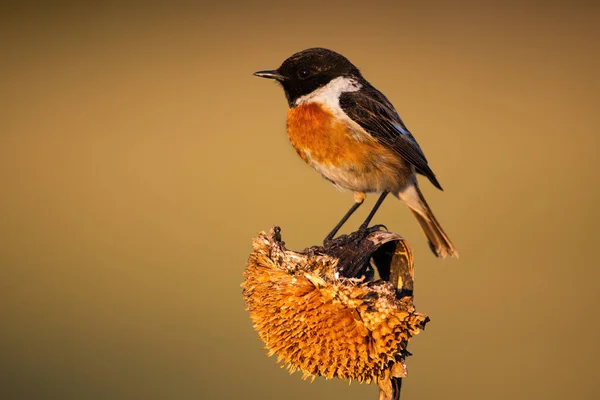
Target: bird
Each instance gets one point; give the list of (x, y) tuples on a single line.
[(349, 132)]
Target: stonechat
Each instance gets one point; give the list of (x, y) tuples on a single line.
[(352, 135)]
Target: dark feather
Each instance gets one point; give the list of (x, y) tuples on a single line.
[(373, 112)]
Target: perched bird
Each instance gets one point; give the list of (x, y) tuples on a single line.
[(351, 134)]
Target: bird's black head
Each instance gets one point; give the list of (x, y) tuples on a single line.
[(308, 70)]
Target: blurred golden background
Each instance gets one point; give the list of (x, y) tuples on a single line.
[(139, 156)]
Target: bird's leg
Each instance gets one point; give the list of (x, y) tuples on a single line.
[(363, 227), (359, 198)]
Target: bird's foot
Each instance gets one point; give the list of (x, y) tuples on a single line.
[(354, 237), (328, 242), (364, 231), (331, 242)]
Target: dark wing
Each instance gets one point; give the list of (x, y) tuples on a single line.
[(373, 112)]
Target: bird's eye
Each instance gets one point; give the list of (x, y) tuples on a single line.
[(304, 73)]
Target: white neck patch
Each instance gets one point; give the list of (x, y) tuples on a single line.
[(329, 97), (330, 94)]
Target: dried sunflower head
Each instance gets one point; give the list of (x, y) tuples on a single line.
[(324, 324)]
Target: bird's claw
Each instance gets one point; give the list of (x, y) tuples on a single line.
[(327, 243), (376, 228), (364, 231)]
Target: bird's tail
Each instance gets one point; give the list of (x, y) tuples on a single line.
[(439, 242)]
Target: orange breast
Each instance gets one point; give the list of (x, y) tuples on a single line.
[(343, 154), (319, 138)]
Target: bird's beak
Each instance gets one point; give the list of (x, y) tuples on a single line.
[(270, 74)]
